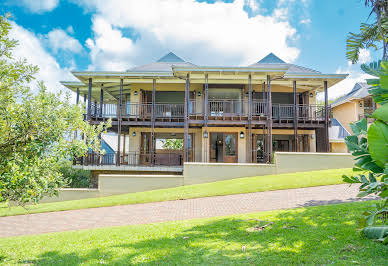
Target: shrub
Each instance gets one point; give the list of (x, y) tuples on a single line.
[(75, 178)]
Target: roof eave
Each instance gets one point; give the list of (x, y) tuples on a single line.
[(125, 74), (315, 75), (227, 69)]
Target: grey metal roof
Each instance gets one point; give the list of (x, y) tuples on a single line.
[(164, 64), (337, 132), (359, 91), (271, 60)]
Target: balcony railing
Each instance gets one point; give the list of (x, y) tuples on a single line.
[(132, 159), (216, 108)]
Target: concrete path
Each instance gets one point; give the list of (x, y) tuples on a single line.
[(174, 210)]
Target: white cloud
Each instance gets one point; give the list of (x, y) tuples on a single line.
[(59, 40), (40, 6), (252, 4), (305, 21), (30, 47), (218, 33), (345, 86), (364, 56)]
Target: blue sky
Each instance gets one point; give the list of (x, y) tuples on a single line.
[(63, 35)]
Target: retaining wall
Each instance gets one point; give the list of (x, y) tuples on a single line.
[(196, 173)]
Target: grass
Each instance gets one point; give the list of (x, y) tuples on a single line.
[(233, 186), (313, 235)]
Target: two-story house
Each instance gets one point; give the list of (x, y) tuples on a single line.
[(223, 114), (354, 106)]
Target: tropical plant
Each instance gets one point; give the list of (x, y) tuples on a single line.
[(36, 130), (370, 147), (370, 34)]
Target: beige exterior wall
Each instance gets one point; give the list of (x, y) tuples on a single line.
[(290, 162), (346, 113), (197, 173), (116, 184), (73, 194), (338, 147)]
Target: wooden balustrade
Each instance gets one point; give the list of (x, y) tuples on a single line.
[(132, 158), (216, 108)]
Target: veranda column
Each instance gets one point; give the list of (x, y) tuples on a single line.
[(119, 123), (101, 99), (269, 117), (327, 147), (153, 122), (295, 118), (77, 97), (89, 99), (249, 137), (264, 128), (206, 116), (186, 130), (76, 102)]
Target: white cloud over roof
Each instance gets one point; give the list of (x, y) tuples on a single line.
[(212, 34)]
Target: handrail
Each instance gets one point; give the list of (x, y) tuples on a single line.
[(132, 158), (216, 108)]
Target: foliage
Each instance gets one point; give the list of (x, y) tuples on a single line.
[(370, 147), (370, 34), (173, 144), (36, 130), (74, 178), (322, 235)]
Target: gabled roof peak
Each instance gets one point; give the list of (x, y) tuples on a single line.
[(271, 59), (170, 58)]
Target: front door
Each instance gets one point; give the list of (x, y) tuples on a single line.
[(145, 148), (223, 147)]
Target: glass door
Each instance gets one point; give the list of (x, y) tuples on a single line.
[(145, 151), (230, 148)]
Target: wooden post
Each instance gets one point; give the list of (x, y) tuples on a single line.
[(295, 118), (327, 146), (186, 130), (249, 137), (269, 118), (153, 122), (206, 115), (89, 99), (95, 109), (76, 102), (263, 91), (119, 124), (101, 99), (77, 98)]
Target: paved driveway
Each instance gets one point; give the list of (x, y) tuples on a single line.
[(174, 210)]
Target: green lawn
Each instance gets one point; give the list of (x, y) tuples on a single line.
[(234, 186), (314, 235)]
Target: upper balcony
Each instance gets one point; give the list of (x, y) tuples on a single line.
[(216, 110)]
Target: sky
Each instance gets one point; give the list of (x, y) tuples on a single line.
[(64, 35)]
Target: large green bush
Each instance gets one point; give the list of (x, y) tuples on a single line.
[(369, 145)]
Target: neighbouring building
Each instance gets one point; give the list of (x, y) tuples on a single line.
[(220, 114), (354, 106)]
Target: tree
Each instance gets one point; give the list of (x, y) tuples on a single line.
[(36, 130), (370, 34), (173, 144)]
